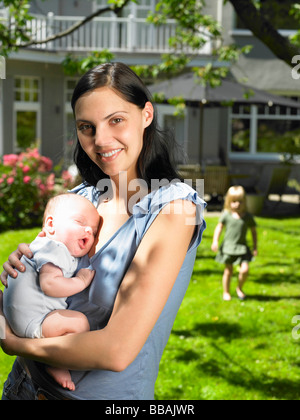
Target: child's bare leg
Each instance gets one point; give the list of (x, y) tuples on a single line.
[(226, 282), (243, 275), (58, 323)]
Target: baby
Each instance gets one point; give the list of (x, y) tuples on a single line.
[(35, 304)]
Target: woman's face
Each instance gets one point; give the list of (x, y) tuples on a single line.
[(110, 130)]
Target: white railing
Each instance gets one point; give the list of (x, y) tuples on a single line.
[(115, 34)]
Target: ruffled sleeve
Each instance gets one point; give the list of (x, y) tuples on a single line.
[(87, 191), (149, 207)]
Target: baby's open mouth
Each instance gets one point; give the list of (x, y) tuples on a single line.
[(82, 243)]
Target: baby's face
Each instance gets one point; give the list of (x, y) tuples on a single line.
[(76, 227)]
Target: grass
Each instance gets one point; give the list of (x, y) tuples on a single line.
[(9, 242), (229, 350)]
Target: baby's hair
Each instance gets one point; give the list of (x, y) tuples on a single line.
[(59, 199), (235, 193)]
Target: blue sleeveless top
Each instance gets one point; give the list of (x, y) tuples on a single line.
[(111, 263)]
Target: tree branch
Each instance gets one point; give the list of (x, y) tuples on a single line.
[(76, 26), (265, 31)]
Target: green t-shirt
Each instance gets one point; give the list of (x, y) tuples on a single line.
[(234, 242)]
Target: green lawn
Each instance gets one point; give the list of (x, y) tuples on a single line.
[(230, 350)]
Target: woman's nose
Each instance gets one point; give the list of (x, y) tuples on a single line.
[(102, 136)]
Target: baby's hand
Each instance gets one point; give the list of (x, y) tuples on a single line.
[(86, 276)]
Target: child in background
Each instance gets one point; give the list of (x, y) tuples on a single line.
[(35, 304), (234, 249)]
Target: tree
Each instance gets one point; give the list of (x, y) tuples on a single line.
[(194, 29), (13, 35), (252, 15)]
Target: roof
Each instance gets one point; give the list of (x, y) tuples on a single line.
[(186, 86)]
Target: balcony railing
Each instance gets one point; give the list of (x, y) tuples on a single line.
[(115, 34)]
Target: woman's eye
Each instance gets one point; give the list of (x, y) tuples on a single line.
[(116, 120), (86, 129)]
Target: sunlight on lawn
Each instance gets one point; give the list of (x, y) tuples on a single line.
[(229, 350), (9, 241)]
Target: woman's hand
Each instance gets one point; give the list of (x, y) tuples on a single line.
[(13, 265)]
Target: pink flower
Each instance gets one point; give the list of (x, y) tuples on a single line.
[(26, 169), (33, 153), (50, 182), (1, 180), (42, 188), (45, 165), (38, 182), (10, 160), (10, 180), (26, 179)]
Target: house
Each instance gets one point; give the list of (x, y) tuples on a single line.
[(35, 95)]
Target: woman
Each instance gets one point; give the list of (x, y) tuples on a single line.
[(144, 258)]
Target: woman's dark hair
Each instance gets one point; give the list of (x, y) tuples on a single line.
[(155, 160)]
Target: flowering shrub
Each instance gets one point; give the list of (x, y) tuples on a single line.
[(27, 181)]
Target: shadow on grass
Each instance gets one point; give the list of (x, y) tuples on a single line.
[(268, 298), (241, 376), (275, 278), (216, 330), (227, 367)]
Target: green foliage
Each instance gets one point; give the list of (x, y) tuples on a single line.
[(11, 36), (26, 184), (295, 12), (75, 65)]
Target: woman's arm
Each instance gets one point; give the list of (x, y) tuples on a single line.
[(141, 298)]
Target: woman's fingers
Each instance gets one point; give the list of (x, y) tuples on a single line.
[(3, 278), (24, 249), (13, 265)]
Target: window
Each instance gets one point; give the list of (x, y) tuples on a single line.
[(26, 89), (262, 130), (27, 130)]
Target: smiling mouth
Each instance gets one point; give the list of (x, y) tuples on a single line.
[(110, 154)]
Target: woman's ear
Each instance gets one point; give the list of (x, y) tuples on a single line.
[(49, 226), (148, 112)]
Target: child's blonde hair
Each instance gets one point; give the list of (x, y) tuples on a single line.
[(235, 193)]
